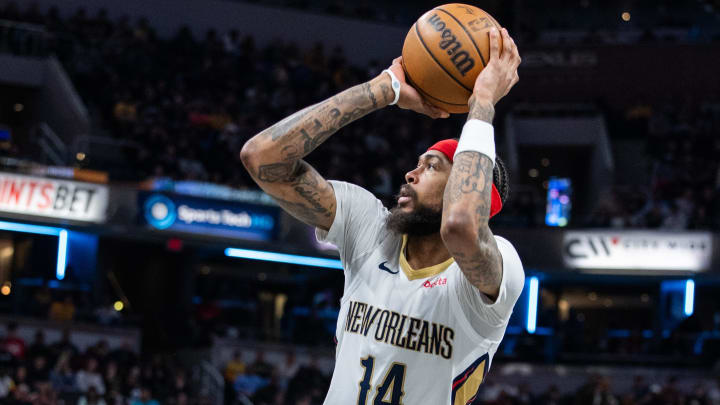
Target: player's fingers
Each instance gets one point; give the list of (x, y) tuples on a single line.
[(397, 60), (515, 53), (434, 112), (507, 44), (494, 44)]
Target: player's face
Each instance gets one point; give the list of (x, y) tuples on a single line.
[(425, 184), (419, 203)]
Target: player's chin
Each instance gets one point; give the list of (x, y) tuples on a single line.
[(405, 207)]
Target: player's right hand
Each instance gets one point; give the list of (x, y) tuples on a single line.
[(501, 73), (410, 99)]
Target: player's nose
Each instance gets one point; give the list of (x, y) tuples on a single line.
[(412, 176)]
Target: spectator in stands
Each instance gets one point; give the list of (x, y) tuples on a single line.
[(6, 383), (178, 386), (670, 393), (698, 396), (132, 389), (64, 345), (146, 398), (63, 311), (268, 395), (91, 397), (260, 366), (551, 397), (39, 371), (111, 377), (42, 299), (246, 384), (234, 367), (524, 396), (38, 347), (90, 377), (124, 355), (20, 379), (62, 376), (596, 391), (12, 343), (714, 393), (288, 369)]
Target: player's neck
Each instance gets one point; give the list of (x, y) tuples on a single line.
[(425, 251)]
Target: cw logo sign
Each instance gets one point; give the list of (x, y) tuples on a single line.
[(583, 247), (637, 250)]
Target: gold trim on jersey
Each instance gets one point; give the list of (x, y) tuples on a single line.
[(425, 272)]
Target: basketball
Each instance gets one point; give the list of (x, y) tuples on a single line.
[(445, 51)]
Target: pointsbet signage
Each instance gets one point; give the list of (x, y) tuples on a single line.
[(637, 250), (209, 217), (52, 198)]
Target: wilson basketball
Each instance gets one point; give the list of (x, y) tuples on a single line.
[(444, 52)]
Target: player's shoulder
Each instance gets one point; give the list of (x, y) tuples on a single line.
[(353, 192), (507, 250), (511, 260)]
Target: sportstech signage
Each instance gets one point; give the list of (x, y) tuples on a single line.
[(51, 198), (637, 250), (208, 217)]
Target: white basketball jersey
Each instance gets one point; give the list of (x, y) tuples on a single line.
[(407, 336)]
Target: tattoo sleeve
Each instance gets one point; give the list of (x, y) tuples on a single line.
[(274, 156), (466, 211)]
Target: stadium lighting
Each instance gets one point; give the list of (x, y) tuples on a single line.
[(61, 255), (284, 258), (689, 297), (62, 235), (532, 305)]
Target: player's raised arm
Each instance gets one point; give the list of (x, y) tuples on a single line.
[(468, 193), (274, 156)]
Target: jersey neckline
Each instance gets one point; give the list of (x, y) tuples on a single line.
[(425, 272)]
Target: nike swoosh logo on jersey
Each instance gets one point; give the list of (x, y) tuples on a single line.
[(383, 267)]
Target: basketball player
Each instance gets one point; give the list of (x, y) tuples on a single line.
[(428, 288)]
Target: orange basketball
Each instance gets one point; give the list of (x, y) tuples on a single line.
[(445, 51)]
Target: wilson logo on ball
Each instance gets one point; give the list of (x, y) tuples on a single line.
[(450, 44)]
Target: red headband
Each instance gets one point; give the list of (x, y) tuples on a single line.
[(447, 147)]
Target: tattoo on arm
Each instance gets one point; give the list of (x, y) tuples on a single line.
[(469, 187), (480, 268), (471, 174), (312, 126), (309, 191), (481, 110), (276, 153)]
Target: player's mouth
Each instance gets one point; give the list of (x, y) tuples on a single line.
[(404, 200), (406, 195)]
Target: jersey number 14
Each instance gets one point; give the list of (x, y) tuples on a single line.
[(390, 392)]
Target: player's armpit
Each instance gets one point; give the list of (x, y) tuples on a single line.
[(300, 190)]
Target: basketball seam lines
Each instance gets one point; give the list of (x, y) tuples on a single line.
[(482, 59), (416, 87), (422, 41)]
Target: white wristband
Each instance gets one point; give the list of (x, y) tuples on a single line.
[(395, 84), (478, 136)]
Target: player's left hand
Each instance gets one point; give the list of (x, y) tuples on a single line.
[(501, 73), (410, 99)]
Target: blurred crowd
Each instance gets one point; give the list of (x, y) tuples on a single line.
[(59, 373), (681, 156), (262, 383), (184, 106), (290, 382), (598, 390)]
